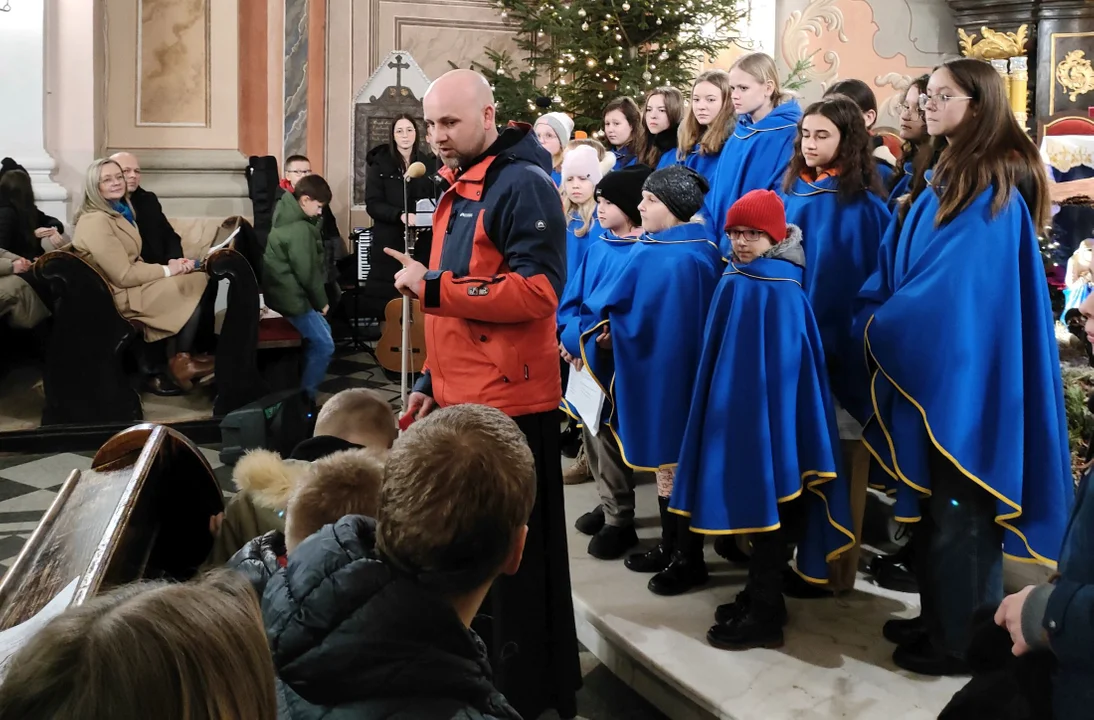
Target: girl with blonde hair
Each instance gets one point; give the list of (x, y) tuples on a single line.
[(703, 137), (762, 144), (196, 651)]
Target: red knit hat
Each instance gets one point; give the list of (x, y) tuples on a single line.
[(759, 210)]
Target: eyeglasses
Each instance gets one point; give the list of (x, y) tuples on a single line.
[(902, 108), (745, 234), (939, 100), (298, 172)]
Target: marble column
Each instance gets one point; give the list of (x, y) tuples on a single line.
[(22, 85)]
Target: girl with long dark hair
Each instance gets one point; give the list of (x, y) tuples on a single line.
[(833, 193), (913, 131), (384, 185), (657, 134), (622, 120), (968, 420)]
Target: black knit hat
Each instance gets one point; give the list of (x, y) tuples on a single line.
[(623, 188), (680, 188), (8, 164)]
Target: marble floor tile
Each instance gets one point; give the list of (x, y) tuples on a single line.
[(39, 500), (47, 472)]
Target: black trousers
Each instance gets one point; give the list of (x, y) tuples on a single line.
[(530, 632)]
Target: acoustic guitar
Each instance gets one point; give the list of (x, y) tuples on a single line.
[(389, 346)]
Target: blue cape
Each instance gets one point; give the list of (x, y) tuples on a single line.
[(762, 429), (885, 170), (656, 309), (901, 187), (668, 159), (556, 177), (601, 262), (958, 324), (755, 157), (624, 158), (841, 242), (576, 246), (707, 166)]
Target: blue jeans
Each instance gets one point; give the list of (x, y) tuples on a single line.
[(318, 349), (958, 556)]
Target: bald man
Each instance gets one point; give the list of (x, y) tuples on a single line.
[(496, 272), (159, 241)]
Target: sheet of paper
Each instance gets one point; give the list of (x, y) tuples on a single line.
[(224, 244), (13, 639), (586, 397)]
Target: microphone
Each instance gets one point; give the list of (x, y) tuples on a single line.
[(416, 170)]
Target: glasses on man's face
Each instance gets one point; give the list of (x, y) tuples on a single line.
[(298, 172), (936, 101)]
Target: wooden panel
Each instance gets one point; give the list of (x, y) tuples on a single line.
[(253, 76)]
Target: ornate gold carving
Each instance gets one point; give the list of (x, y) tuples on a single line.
[(1076, 74), (811, 22), (1064, 155), (994, 45)]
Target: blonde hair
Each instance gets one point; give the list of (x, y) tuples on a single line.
[(194, 651), (647, 153), (761, 66), (93, 196), (713, 137), (360, 416), (345, 483), (587, 209), (458, 488)]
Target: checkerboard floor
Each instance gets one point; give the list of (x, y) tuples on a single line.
[(29, 483)]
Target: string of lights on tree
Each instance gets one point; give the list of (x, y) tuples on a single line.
[(581, 54)]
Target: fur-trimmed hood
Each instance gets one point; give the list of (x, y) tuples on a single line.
[(268, 478), (790, 249)]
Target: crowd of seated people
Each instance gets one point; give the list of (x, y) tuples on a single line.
[(25, 233), (340, 626)]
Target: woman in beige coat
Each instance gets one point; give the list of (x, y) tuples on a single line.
[(165, 299)]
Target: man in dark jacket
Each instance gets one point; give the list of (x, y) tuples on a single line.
[(159, 241), (1059, 616), (489, 296), (372, 619)]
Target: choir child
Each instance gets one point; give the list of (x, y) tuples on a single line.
[(611, 523), (833, 194), (760, 454), (968, 414), (913, 131), (861, 94), (704, 133), (658, 133), (553, 131), (760, 147), (651, 316), (581, 171), (622, 119)]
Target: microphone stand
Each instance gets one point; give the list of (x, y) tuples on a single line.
[(408, 246)]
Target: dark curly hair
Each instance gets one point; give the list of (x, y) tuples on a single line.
[(854, 160)]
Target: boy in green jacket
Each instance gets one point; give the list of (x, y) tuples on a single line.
[(294, 273)]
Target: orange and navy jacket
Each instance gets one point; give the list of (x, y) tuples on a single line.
[(495, 279)]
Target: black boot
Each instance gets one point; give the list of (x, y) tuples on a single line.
[(658, 558), (687, 569), (761, 625), (738, 609), (612, 541), (591, 522), (726, 547), (895, 572), (900, 631)]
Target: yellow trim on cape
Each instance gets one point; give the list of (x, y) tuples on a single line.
[(1001, 519), (755, 130), (737, 271)]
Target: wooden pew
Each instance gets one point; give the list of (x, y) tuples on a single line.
[(84, 377), (142, 511), (237, 379)]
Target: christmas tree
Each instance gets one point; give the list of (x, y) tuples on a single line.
[(581, 54)]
